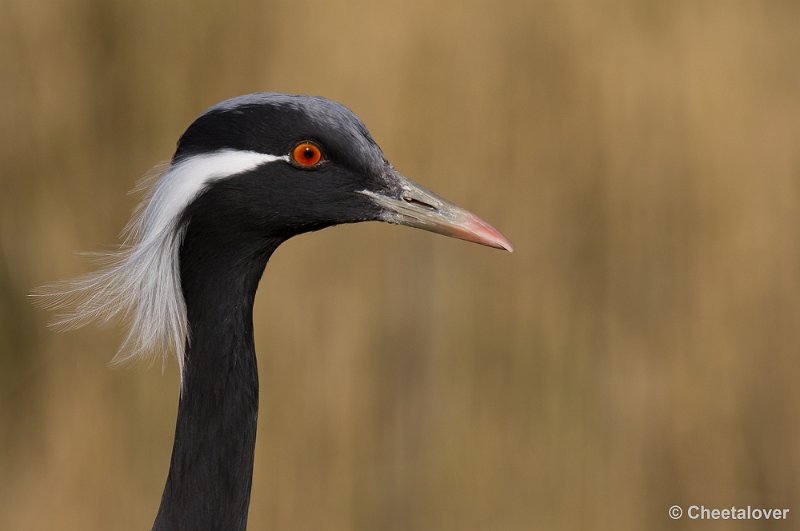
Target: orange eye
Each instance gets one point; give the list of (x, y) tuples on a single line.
[(306, 154)]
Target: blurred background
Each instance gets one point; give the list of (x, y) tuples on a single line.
[(638, 350)]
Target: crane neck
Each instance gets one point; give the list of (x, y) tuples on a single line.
[(210, 475)]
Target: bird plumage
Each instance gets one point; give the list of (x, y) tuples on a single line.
[(186, 275)]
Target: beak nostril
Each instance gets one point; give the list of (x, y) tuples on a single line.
[(418, 203)]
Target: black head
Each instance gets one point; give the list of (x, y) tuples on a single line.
[(322, 168), (293, 193)]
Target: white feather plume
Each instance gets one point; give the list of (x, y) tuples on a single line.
[(140, 282)]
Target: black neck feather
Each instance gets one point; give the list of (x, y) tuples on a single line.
[(210, 474)]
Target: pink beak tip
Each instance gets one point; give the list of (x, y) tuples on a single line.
[(481, 232)]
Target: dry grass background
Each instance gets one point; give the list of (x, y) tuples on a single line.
[(640, 349)]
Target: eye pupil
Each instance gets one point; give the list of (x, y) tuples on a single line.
[(308, 153)]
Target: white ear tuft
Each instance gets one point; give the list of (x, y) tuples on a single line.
[(141, 280)]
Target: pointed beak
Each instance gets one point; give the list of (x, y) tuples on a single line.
[(408, 203)]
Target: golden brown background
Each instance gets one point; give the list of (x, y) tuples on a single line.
[(640, 349)]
